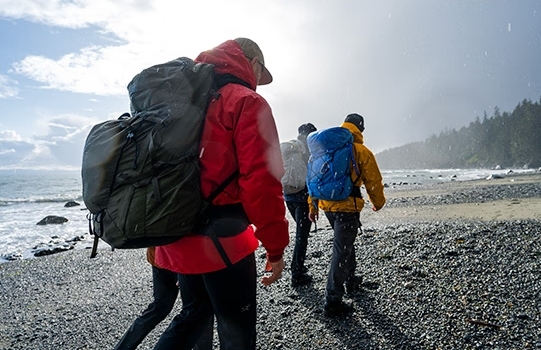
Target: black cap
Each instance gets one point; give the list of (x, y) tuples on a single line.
[(307, 128), (357, 120)]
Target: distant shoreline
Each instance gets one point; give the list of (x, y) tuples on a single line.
[(527, 207)]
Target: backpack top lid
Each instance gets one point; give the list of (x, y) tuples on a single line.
[(328, 140), (172, 87), (292, 146)]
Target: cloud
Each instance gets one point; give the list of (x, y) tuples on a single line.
[(65, 137), (70, 14), (13, 149), (147, 33), (8, 88), (58, 147), (90, 71), (9, 135)]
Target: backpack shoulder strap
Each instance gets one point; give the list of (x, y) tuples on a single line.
[(222, 186), (356, 191), (354, 161), (300, 146), (224, 79), (206, 204)]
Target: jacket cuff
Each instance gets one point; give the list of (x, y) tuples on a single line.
[(274, 258)]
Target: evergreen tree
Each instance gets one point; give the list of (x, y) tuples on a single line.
[(504, 139)]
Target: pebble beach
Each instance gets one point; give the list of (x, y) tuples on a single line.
[(445, 266)]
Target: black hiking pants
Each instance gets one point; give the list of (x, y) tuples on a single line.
[(299, 211), (229, 294), (343, 263), (165, 292)]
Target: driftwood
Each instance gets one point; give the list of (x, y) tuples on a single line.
[(483, 323)]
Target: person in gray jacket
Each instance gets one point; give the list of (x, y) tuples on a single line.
[(297, 206)]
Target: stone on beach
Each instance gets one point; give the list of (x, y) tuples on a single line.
[(52, 219), (71, 204)]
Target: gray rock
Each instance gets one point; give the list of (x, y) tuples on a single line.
[(71, 204), (52, 219), (52, 250)]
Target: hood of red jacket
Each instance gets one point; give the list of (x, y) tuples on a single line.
[(228, 58)]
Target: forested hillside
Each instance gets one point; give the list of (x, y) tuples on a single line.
[(505, 139)]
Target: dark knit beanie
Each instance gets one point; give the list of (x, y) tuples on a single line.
[(307, 128), (357, 120)]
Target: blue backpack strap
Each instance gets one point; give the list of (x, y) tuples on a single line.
[(354, 161), (356, 191)]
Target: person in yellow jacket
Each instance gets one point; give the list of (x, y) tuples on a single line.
[(344, 217)]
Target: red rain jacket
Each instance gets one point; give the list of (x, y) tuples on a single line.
[(239, 133)]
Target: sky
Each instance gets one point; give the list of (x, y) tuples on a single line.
[(411, 68)]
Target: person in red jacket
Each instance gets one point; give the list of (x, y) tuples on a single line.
[(217, 267)]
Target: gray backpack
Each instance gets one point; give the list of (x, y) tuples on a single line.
[(293, 154), (140, 173)]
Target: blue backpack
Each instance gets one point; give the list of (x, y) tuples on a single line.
[(329, 175)]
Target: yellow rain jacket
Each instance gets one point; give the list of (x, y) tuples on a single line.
[(370, 177)]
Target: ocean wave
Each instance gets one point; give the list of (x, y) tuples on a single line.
[(14, 201)]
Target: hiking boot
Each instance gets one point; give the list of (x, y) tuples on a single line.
[(353, 285), (301, 280), (335, 309)]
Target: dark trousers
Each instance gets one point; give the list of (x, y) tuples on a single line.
[(299, 211), (165, 291), (229, 294), (343, 264)]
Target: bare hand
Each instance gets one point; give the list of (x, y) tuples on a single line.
[(268, 266), (313, 216), (277, 268), (374, 208)]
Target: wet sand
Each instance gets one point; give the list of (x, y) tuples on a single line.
[(482, 209)]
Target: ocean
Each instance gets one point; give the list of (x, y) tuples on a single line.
[(28, 196)]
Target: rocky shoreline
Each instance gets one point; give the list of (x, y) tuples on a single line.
[(435, 278)]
